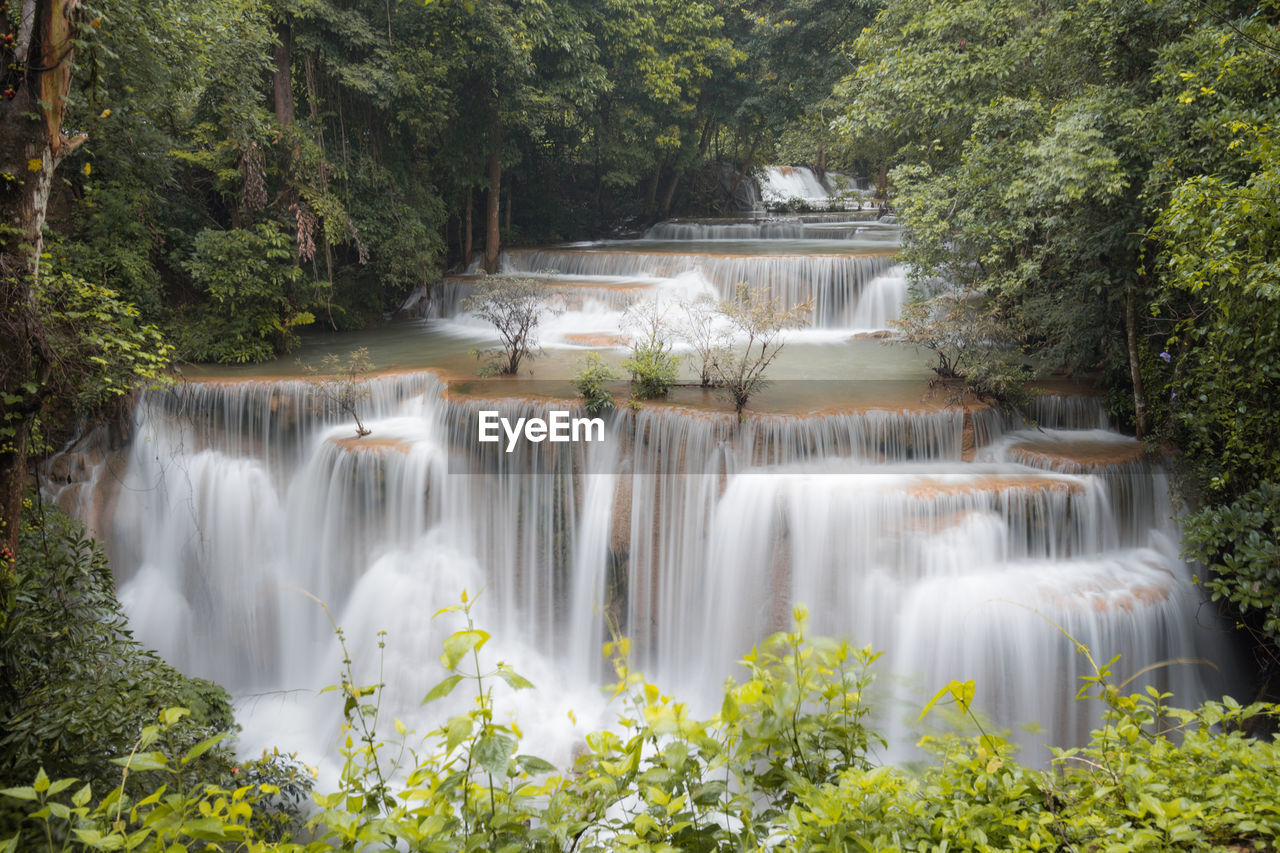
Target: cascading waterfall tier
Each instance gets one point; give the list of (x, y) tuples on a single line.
[(686, 530), (830, 284), (861, 229)]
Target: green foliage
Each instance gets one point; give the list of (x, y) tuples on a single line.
[(1240, 543), (255, 298), (788, 762), (1103, 177), (1218, 374), (178, 814), (974, 346), (592, 380), (1220, 268), (78, 687), (652, 367), (653, 370), (95, 352)]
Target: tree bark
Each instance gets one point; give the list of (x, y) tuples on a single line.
[(31, 146), (493, 237), (670, 194), (282, 77), (1131, 332), (651, 192), (742, 174), (468, 245)]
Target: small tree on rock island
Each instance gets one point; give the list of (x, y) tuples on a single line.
[(701, 329), (514, 306), (343, 385), (976, 348), (739, 367)]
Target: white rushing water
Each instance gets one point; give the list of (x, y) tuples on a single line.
[(694, 535), (782, 184)]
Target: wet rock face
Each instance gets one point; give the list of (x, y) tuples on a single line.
[(84, 478)]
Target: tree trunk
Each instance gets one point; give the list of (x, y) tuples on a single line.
[(670, 194), (651, 194), (31, 146), (506, 222), (492, 236), (742, 174), (1131, 332), (468, 245), (282, 78)]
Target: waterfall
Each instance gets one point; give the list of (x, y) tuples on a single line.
[(782, 184), (687, 531), (774, 229), (830, 284), (963, 543)]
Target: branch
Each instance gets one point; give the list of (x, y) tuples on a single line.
[(68, 146), (1261, 45)]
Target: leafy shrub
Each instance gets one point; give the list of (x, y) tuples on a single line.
[(78, 687), (253, 297), (79, 691), (652, 367), (343, 385), (653, 370), (973, 344), (786, 763), (591, 380), (1240, 542)]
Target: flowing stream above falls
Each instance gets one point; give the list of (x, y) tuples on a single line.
[(963, 543)]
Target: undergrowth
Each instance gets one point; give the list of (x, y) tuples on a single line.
[(787, 763)]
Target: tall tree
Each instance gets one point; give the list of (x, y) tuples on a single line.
[(37, 63)]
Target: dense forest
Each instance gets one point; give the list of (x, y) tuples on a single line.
[(1089, 188)]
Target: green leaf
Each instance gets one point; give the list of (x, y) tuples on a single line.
[(456, 731), (533, 765), (459, 643), (204, 746), (443, 689), (42, 781), (169, 716), (493, 751), (928, 706), (514, 680), (24, 793), (710, 793), (60, 786), (143, 761)]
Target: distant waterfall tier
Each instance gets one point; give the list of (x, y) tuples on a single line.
[(831, 284), (783, 186), (785, 229)]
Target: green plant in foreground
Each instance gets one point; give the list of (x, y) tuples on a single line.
[(176, 815), (787, 763)]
